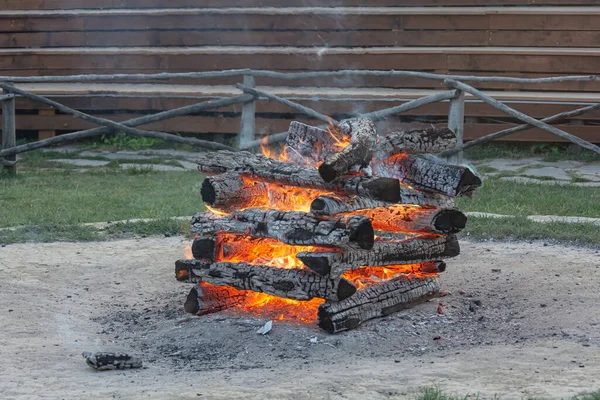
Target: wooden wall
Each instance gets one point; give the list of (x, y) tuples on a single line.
[(519, 38)]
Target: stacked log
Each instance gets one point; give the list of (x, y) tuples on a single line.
[(361, 221)]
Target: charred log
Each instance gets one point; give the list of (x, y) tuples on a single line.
[(269, 170), (416, 141), (204, 299), (384, 252), (204, 248), (336, 204), (292, 227), (229, 191), (309, 145), (299, 284), (429, 174), (376, 301), (357, 153)]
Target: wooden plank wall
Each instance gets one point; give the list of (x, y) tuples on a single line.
[(529, 38)]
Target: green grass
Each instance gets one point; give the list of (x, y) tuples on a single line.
[(63, 198), (547, 151), (523, 229), (512, 198)]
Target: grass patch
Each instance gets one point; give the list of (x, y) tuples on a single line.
[(485, 169), (547, 151), (435, 393), (148, 161), (82, 233), (47, 198), (513, 198), (540, 177), (521, 228)]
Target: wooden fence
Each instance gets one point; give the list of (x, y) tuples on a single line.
[(247, 136), (527, 39)]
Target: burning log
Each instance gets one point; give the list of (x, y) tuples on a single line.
[(291, 227), (376, 301), (204, 299), (429, 174), (416, 141), (305, 144), (300, 284), (269, 170), (228, 191), (335, 204), (358, 152), (384, 252)]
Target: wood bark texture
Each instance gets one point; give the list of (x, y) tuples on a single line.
[(211, 299), (401, 218), (429, 174), (269, 170), (310, 145), (204, 248), (291, 227), (416, 141), (299, 284), (357, 153), (336, 204), (229, 191), (376, 301), (384, 252)]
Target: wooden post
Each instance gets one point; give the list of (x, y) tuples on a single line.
[(248, 124), (9, 132), (456, 122), (46, 134)]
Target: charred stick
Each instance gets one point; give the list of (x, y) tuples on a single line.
[(292, 227), (299, 284), (376, 301), (363, 136), (384, 252), (269, 170)]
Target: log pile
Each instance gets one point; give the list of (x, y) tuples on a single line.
[(360, 221)]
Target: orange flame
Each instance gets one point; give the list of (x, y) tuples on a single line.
[(369, 276), (261, 251)]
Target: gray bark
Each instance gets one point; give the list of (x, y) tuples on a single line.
[(429, 174), (384, 252), (299, 284), (211, 299), (291, 227), (363, 136), (335, 204), (269, 170), (376, 301), (415, 141)]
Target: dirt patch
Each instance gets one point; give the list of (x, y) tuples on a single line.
[(527, 324)]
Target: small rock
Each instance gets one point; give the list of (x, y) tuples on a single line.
[(437, 338), (496, 270), (266, 328), (543, 305)]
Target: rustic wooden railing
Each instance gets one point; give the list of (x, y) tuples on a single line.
[(246, 138)]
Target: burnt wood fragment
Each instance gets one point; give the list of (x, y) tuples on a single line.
[(363, 136), (299, 284), (335, 204), (309, 145), (291, 227), (269, 170), (376, 301)]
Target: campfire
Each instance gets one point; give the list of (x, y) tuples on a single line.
[(343, 226)]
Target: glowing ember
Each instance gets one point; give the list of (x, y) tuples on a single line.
[(275, 308), (369, 276), (395, 218), (261, 251)]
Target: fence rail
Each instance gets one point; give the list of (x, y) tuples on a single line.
[(247, 140)]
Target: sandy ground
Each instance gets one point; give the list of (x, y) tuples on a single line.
[(532, 329)]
